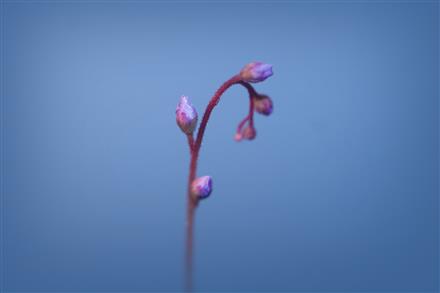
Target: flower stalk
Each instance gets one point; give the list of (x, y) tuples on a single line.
[(186, 117)]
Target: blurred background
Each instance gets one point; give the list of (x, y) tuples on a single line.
[(338, 192)]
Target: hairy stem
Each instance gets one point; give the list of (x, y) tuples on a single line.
[(192, 202)]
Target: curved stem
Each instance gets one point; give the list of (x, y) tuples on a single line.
[(214, 101), (192, 202), (252, 93), (251, 111), (241, 124), (250, 88), (250, 116)]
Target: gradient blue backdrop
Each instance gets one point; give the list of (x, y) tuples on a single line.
[(339, 192)]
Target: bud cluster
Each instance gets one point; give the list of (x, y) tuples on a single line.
[(186, 118)]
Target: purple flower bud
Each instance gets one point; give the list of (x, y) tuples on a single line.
[(256, 72), (186, 115), (263, 105), (201, 187)]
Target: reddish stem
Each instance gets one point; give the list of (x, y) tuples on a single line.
[(250, 115), (190, 142), (251, 111), (241, 124), (192, 202), (252, 93), (251, 90)]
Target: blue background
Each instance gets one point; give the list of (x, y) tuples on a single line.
[(339, 191)]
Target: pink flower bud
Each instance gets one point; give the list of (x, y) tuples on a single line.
[(201, 187), (247, 132), (256, 72), (186, 115), (238, 136), (263, 105)]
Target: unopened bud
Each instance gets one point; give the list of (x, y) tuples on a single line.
[(238, 136), (247, 132), (201, 187), (263, 105), (186, 115), (256, 72)]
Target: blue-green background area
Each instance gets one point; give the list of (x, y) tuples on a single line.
[(338, 192)]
